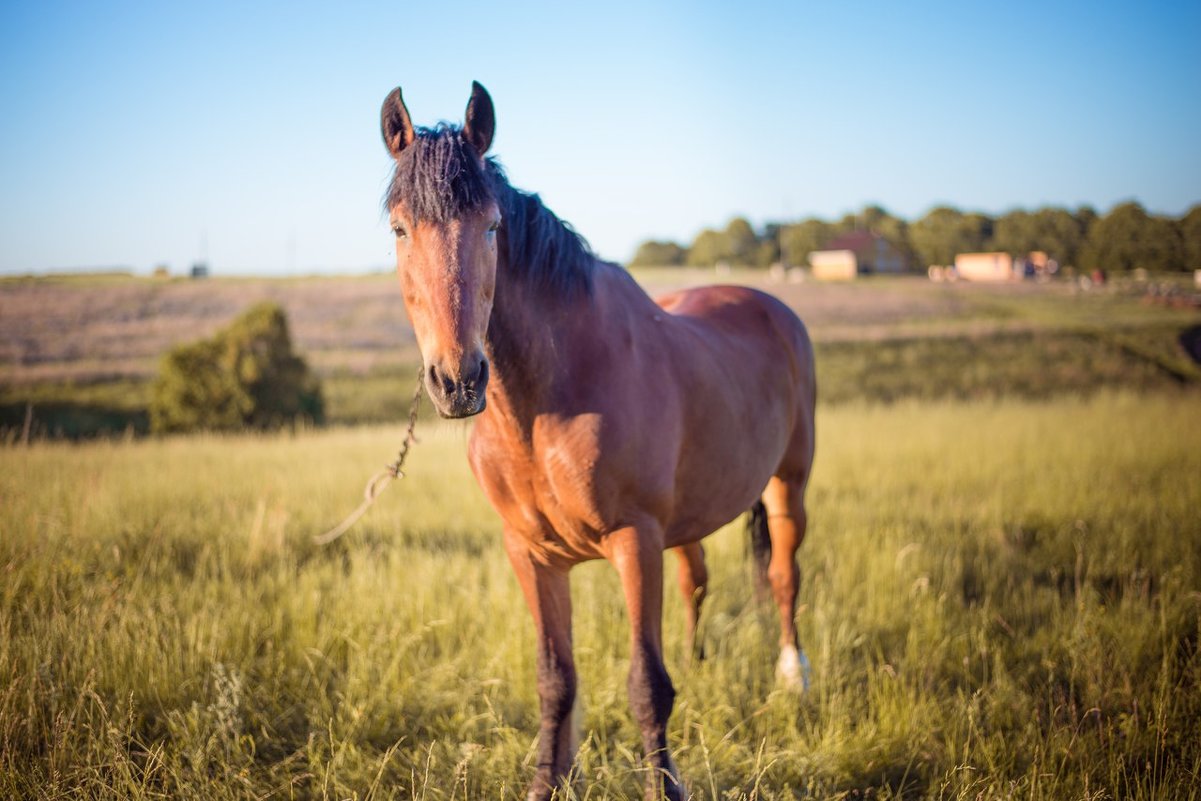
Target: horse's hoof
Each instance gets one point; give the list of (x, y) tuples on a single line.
[(666, 790), (663, 783), (792, 669), (543, 789)]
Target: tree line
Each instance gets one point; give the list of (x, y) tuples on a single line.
[(1126, 238)]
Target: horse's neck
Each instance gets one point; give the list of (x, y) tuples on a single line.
[(531, 337)]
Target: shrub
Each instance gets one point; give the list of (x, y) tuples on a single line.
[(245, 376)]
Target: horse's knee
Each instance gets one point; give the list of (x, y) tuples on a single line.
[(652, 694), (557, 687)]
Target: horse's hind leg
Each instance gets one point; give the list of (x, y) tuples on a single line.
[(785, 503), (694, 579)]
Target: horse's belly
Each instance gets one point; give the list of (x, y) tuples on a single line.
[(721, 477)]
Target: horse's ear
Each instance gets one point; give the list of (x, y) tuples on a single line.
[(480, 122), (395, 124)]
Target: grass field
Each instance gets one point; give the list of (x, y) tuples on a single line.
[(1001, 599), (1001, 589)]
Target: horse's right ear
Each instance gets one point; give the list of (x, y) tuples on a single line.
[(395, 124)]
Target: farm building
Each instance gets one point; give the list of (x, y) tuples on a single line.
[(984, 267), (833, 265), (873, 253), (856, 253)]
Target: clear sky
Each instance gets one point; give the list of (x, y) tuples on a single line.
[(133, 134)]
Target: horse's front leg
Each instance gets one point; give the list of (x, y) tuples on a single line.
[(637, 553), (549, 597)]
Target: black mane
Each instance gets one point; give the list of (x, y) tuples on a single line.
[(439, 177)]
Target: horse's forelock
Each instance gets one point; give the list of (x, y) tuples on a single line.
[(439, 177)]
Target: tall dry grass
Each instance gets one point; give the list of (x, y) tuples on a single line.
[(1000, 599)]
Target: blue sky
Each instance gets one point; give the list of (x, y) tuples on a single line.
[(140, 133)]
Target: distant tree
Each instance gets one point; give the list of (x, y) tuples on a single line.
[(877, 219), (658, 254), (245, 376), (1014, 233), (1190, 235), (1054, 231), (742, 245), (1086, 217), (945, 232), (708, 248), (798, 240), (1128, 238), (768, 251), (1058, 234)]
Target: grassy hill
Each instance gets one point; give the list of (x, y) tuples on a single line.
[(82, 350)]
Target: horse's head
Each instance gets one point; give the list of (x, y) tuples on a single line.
[(443, 211)]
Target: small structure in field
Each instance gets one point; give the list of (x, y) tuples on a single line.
[(200, 269), (873, 253), (984, 267), (833, 265), (856, 253)]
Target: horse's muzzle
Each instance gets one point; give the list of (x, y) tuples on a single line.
[(460, 395)]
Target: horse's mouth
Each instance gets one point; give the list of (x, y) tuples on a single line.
[(458, 409)]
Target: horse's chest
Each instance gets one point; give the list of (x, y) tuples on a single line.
[(550, 490)]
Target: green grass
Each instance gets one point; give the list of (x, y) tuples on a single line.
[(71, 410), (1036, 364), (1001, 599), (381, 396), (878, 339)]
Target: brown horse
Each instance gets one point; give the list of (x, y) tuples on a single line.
[(609, 426)]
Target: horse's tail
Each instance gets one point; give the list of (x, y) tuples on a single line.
[(760, 545)]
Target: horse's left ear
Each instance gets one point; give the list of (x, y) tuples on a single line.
[(480, 122)]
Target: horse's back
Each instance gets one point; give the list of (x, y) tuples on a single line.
[(739, 317)]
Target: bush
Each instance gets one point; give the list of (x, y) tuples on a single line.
[(245, 376), (658, 254)]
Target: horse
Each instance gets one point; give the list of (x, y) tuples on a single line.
[(610, 426)]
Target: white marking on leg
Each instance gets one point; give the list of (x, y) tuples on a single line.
[(792, 669)]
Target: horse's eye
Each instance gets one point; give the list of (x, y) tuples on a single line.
[(494, 227), (400, 231)]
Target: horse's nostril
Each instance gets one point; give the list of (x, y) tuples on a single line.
[(440, 382)]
